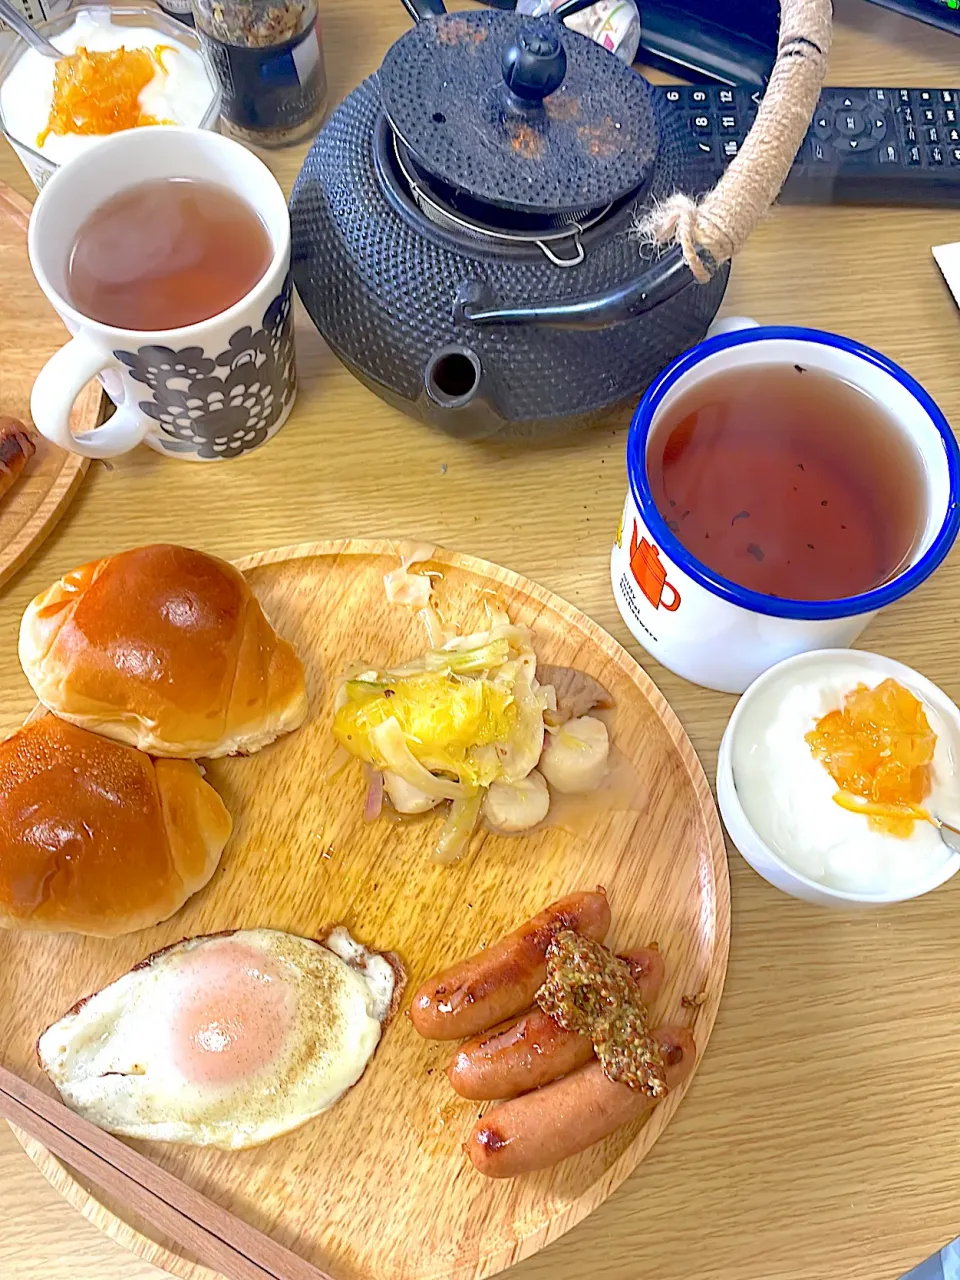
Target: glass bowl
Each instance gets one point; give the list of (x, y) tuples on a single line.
[(39, 165)]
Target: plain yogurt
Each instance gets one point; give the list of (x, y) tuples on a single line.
[(181, 93), (787, 794)]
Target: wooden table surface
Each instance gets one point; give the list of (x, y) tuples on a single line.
[(820, 1136)]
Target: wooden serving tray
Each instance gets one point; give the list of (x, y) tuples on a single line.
[(30, 332), (378, 1188)]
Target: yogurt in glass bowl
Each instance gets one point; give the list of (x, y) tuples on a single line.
[(791, 819), (183, 90)]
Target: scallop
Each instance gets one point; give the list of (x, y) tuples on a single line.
[(405, 797), (575, 758), (510, 807)]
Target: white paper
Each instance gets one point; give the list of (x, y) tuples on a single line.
[(948, 260)]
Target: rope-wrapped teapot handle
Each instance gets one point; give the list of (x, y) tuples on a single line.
[(711, 231)]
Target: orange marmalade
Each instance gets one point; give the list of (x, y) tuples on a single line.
[(99, 92), (878, 749)]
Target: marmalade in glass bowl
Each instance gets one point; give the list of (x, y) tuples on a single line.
[(97, 91)]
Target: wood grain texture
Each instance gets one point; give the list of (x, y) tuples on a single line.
[(379, 1189), (30, 332), (223, 1241), (818, 1138)]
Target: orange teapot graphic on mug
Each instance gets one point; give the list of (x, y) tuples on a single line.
[(650, 575)]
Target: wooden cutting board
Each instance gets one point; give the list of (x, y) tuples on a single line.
[(378, 1188), (30, 332)]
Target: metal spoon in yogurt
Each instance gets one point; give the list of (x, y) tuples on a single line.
[(15, 19), (948, 834)]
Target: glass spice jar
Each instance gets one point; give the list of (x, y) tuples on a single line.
[(268, 57)]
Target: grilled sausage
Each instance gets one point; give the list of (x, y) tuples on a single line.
[(501, 982), (541, 1128), (535, 1050)]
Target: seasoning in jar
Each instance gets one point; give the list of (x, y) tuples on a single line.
[(268, 57)]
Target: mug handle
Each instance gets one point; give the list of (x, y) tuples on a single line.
[(59, 383), (731, 324)]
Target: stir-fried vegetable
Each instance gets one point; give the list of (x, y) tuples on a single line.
[(461, 717)]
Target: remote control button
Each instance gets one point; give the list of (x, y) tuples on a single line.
[(929, 116), (728, 124), (888, 154), (848, 146), (698, 95), (850, 123), (878, 127), (903, 95), (955, 155), (953, 136), (910, 133), (913, 155), (907, 115), (881, 96), (705, 148), (673, 95), (819, 153), (946, 95), (925, 95), (852, 102), (931, 136), (701, 124), (725, 96), (934, 155), (823, 125), (950, 115)]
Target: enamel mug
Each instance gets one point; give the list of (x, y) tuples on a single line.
[(705, 627), (206, 392)]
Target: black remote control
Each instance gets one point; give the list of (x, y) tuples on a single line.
[(865, 146)]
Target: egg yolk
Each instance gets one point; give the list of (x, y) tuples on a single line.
[(99, 92), (234, 1016), (878, 748)]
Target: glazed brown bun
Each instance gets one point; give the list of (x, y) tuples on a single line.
[(164, 648), (98, 838)]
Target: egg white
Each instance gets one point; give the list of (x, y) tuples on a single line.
[(114, 1060)]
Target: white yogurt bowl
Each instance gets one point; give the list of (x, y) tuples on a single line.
[(781, 697), (189, 97)]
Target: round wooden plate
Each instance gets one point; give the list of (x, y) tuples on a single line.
[(378, 1188), (30, 332)]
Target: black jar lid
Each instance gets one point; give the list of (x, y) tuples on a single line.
[(519, 112)]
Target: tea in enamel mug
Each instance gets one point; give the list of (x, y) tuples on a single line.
[(788, 481)]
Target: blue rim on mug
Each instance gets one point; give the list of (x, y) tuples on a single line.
[(755, 601)]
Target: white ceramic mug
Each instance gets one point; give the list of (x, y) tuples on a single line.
[(705, 627), (204, 392)]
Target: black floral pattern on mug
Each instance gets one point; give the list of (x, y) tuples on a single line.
[(224, 405)]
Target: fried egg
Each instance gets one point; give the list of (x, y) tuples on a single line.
[(226, 1040)]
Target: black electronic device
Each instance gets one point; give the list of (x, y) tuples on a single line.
[(735, 42), (941, 13), (864, 146)]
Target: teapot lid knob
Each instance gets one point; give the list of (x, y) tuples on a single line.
[(534, 65)]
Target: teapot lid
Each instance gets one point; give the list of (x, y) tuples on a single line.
[(519, 112)]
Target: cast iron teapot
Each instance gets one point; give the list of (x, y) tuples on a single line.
[(468, 227)]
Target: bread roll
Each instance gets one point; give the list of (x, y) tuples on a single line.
[(98, 838), (16, 449), (164, 648)]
